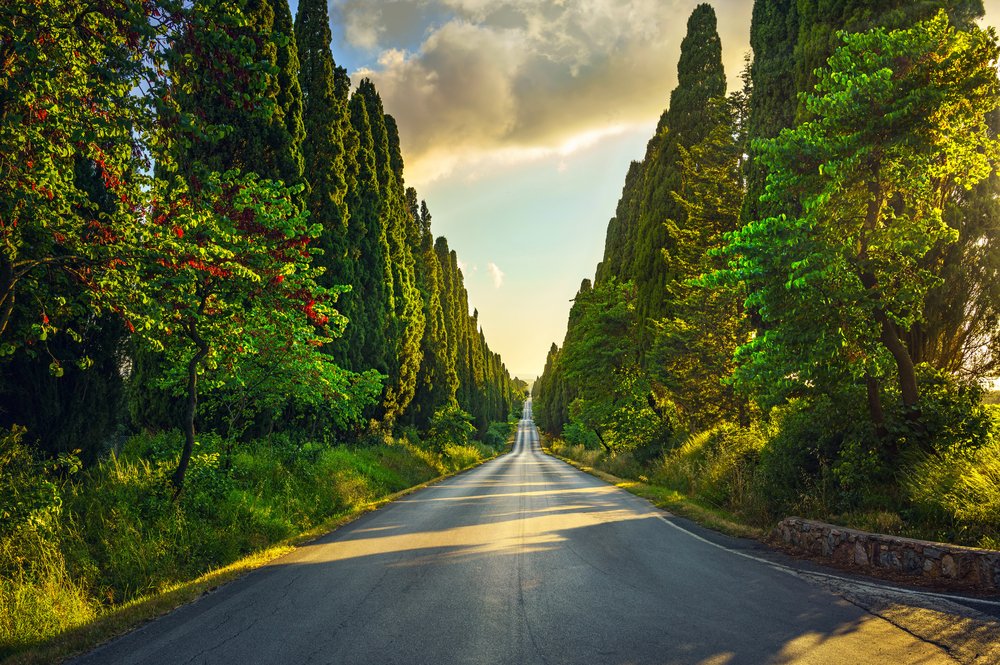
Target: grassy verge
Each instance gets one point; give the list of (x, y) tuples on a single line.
[(744, 481), (99, 553), (660, 496)]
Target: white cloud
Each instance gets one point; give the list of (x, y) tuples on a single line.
[(477, 81), (496, 274)]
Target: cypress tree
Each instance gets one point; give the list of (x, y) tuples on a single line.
[(619, 245), (701, 78), (289, 97), (437, 381), (774, 32), (449, 307), (369, 305), (327, 126), (405, 326), (267, 141)]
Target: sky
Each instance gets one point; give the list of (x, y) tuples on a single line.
[(518, 120)]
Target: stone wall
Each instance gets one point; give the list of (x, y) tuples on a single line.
[(959, 566)]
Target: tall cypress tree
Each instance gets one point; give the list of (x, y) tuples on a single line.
[(437, 381), (267, 141), (701, 78), (619, 245), (449, 307), (327, 125), (405, 326), (774, 32), (369, 305), (289, 97)]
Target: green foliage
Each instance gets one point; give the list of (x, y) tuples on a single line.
[(120, 537), (835, 284), (64, 244), (719, 466), (958, 492), (329, 149), (578, 434), (498, 433), (29, 488), (693, 350), (701, 78), (450, 425)]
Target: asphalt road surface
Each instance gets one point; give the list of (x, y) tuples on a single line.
[(521, 560)]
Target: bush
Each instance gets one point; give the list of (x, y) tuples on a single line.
[(577, 434), (955, 496), (719, 466), (449, 425), (497, 434)]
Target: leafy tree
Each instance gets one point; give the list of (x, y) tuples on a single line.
[(899, 125), (230, 265), (449, 425), (600, 361), (65, 245)]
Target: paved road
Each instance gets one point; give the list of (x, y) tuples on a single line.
[(522, 560)]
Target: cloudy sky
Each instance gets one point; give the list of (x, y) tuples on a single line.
[(518, 119)]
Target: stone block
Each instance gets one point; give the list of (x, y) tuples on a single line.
[(948, 566)]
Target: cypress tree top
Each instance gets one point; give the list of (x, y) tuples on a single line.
[(700, 75)]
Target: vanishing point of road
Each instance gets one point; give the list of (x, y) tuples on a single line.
[(522, 560)]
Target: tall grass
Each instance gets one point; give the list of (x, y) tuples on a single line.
[(113, 534), (760, 476)]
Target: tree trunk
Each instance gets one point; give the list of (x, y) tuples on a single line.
[(192, 406), (875, 406), (603, 443), (904, 365), (6, 295)]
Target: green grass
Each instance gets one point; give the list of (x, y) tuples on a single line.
[(721, 478), (111, 549)]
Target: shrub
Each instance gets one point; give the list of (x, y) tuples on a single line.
[(449, 425), (955, 496), (718, 465)]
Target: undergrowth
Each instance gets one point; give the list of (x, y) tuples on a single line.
[(77, 544), (800, 464)]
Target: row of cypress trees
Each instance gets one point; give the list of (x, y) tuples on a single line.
[(701, 178), (407, 311)]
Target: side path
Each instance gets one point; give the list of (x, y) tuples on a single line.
[(522, 560)]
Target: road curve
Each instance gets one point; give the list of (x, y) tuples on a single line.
[(522, 560)]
